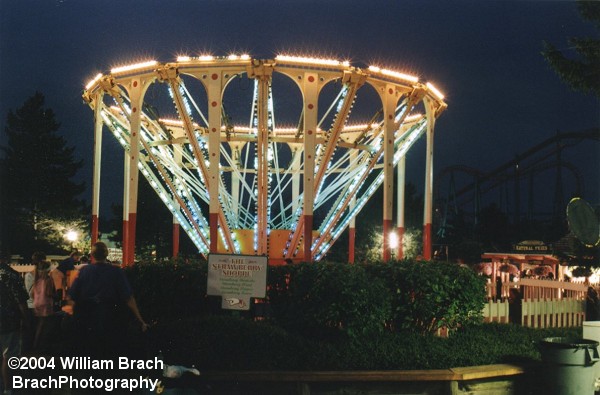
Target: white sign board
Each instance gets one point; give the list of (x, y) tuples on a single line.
[(237, 278)]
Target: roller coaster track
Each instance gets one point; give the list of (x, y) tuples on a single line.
[(529, 162)]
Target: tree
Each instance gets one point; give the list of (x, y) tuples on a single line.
[(38, 193), (581, 72)]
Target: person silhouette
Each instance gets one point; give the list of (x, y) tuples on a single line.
[(99, 295)]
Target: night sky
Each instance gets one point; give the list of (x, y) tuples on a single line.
[(483, 55)]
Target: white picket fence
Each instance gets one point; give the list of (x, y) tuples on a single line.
[(496, 311), (537, 313), (544, 304)]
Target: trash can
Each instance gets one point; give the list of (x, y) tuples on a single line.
[(569, 365), (591, 331)]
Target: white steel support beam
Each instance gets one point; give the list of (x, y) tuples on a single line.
[(310, 89), (390, 99), (125, 232), (235, 184), (136, 93), (98, 108), (311, 104), (400, 206), (188, 128), (354, 83), (262, 72), (310, 84), (352, 233), (214, 92), (352, 225), (177, 157), (171, 187), (428, 199), (295, 180), (235, 194), (262, 158), (350, 194)]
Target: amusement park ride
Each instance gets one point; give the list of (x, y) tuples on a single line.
[(259, 188)]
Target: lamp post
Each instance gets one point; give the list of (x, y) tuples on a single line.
[(393, 243), (72, 237)]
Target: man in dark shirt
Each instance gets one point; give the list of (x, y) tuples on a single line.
[(99, 294), (69, 263), (13, 310)]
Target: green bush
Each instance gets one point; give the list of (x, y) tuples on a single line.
[(229, 342), (329, 316), (170, 289), (429, 295), (233, 343), (323, 299)]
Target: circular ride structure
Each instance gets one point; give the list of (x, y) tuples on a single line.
[(261, 156)]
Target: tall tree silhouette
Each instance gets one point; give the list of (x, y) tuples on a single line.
[(582, 71), (37, 186)]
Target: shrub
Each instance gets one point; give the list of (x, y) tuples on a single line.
[(323, 299), (331, 317), (170, 289), (233, 343), (501, 343), (429, 295), (229, 342)]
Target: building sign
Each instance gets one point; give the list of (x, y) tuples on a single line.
[(237, 278), (532, 247)]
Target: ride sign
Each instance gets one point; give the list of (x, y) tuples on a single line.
[(237, 278)]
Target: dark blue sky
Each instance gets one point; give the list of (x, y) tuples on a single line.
[(484, 55)]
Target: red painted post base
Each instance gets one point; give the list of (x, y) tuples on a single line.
[(351, 243), (125, 242), (94, 229), (175, 240), (427, 242), (131, 239), (308, 225)]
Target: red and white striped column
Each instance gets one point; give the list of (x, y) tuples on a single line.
[(428, 199), (400, 205), (176, 226), (98, 107), (213, 88), (311, 99), (135, 122), (390, 99)]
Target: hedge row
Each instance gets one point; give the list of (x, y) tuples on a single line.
[(327, 299), (330, 316), (234, 343)]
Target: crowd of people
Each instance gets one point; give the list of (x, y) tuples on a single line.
[(31, 307)]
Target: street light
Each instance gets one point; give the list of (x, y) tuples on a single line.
[(71, 236), (393, 243)]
